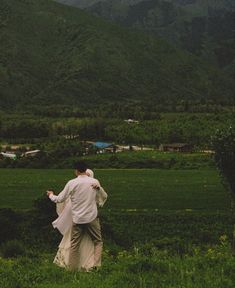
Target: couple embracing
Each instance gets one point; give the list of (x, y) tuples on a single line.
[(78, 222)]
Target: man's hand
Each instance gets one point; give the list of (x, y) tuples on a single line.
[(95, 186), (49, 192)]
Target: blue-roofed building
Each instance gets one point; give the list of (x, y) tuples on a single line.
[(104, 147)]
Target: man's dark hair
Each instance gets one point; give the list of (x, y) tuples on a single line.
[(80, 166)]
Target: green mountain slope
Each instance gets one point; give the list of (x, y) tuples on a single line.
[(88, 3), (53, 54), (199, 26), (79, 3)]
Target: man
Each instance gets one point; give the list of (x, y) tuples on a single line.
[(82, 192)]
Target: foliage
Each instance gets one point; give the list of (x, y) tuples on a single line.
[(211, 268), (66, 137), (12, 248), (9, 224), (205, 29), (176, 231), (61, 55), (150, 159), (130, 159), (78, 3), (224, 145), (25, 129)]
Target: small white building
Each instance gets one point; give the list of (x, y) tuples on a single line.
[(131, 121), (8, 155), (32, 153)]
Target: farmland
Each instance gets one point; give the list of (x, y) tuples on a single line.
[(162, 228), (127, 189)]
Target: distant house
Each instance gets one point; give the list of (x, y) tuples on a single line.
[(103, 147), (131, 121), (176, 147), (121, 148), (32, 153), (14, 148), (71, 136), (10, 147), (8, 155)]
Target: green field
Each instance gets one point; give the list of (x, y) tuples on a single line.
[(135, 269), (127, 189), (167, 248)]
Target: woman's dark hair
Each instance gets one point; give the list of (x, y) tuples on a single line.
[(80, 166)]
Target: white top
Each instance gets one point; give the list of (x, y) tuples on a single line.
[(64, 221), (83, 198)]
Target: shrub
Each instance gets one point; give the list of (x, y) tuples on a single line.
[(12, 248), (224, 146), (9, 225)]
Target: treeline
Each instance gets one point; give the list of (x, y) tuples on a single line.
[(24, 129), (65, 154), (192, 128), (139, 110)]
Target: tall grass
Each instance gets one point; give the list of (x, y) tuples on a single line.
[(213, 268)]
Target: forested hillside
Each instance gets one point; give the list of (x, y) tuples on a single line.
[(54, 54), (205, 28), (88, 3), (79, 3)]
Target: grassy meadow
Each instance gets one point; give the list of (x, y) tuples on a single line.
[(128, 189), (129, 269), (162, 228)]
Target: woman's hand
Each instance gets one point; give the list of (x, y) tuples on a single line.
[(49, 192)]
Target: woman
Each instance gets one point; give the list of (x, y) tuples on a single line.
[(64, 224)]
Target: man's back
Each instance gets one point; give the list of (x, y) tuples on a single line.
[(83, 199)]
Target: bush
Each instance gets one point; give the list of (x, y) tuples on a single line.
[(12, 249), (224, 145), (9, 224)]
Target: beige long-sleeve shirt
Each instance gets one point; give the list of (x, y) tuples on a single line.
[(83, 198)]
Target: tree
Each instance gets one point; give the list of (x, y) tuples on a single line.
[(224, 146)]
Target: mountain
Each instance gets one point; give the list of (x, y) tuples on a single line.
[(88, 3), (79, 3), (202, 27), (54, 54)]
